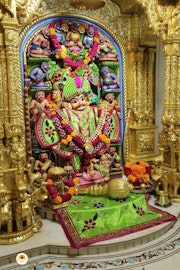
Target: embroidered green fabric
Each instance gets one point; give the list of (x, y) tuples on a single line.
[(89, 219)]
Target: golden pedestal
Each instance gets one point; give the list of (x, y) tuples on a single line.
[(142, 143)]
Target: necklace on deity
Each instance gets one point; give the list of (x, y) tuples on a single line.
[(88, 138)]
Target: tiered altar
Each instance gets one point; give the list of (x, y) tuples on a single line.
[(77, 106)]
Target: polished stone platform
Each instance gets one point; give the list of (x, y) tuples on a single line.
[(51, 241)]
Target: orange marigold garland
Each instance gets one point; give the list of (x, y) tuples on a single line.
[(58, 199), (137, 173)]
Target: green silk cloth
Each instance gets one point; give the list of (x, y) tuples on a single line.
[(89, 219)]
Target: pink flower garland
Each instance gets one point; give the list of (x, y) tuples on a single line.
[(61, 50)]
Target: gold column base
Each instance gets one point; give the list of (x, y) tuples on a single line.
[(49, 204), (176, 199), (16, 237)]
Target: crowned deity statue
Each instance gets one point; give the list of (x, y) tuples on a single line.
[(77, 131), (73, 102)]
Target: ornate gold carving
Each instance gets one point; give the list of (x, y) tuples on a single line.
[(83, 4), (143, 143), (162, 17), (5, 208), (17, 19), (146, 143), (21, 11), (170, 119), (19, 197)]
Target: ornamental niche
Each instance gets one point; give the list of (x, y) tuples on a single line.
[(73, 91)]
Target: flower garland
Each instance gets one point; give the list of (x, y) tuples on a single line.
[(137, 173), (58, 199), (76, 141), (61, 49)]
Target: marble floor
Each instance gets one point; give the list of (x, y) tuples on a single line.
[(155, 248)]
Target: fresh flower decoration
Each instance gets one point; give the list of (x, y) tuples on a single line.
[(58, 199), (26, 86), (137, 173), (73, 134), (76, 141), (63, 122), (64, 141), (67, 140), (61, 49), (52, 108), (104, 138), (96, 39)]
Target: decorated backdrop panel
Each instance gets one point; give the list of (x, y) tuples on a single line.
[(73, 91)]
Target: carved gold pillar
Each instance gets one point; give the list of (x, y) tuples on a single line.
[(4, 117), (12, 52), (169, 137), (1, 93), (12, 144), (150, 87), (142, 129), (171, 52), (164, 20), (12, 88), (3, 81), (137, 70)]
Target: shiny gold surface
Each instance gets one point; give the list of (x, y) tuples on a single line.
[(119, 188), (83, 4), (123, 21), (56, 171)]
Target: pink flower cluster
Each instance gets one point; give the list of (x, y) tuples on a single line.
[(69, 62)]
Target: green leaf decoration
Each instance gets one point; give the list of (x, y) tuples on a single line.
[(47, 123), (95, 217), (52, 139), (134, 205)]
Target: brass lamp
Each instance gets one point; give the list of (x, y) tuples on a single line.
[(162, 199)]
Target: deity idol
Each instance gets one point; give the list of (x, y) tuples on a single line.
[(77, 131)]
